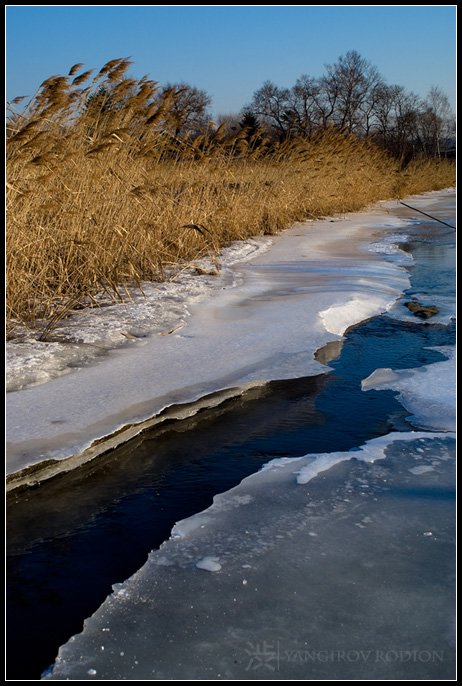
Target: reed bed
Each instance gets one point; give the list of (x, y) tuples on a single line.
[(101, 194)]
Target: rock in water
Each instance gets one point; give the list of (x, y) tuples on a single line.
[(422, 311)]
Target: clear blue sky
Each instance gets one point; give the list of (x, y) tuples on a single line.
[(230, 50)]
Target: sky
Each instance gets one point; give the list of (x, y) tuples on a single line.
[(230, 50)]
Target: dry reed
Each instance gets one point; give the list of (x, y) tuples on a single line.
[(100, 193)]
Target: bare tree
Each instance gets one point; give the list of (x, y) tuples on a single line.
[(435, 122), (272, 105), (385, 96), (370, 108), (187, 112), (397, 114), (353, 96), (303, 102), (325, 98), (348, 83)]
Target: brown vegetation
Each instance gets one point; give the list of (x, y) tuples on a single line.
[(101, 193)]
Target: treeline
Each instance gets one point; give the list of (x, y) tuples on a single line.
[(352, 97)]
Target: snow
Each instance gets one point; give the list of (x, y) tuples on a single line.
[(429, 392), (273, 304)]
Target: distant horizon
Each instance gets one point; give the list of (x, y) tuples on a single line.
[(230, 51)]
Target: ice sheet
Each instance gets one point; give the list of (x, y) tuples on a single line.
[(326, 566), (88, 334), (261, 321), (429, 392), (349, 562), (390, 245), (338, 318), (445, 303)]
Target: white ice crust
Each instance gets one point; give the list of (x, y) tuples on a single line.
[(284, 563), (274, 303), (429, 392)]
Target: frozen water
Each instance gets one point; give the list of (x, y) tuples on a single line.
[(261, 321), (390, 245), (327, 566), (338, 318), (445, 303), (88, 334), (209, 563), (429, 392), (355, 564), (421, 469)]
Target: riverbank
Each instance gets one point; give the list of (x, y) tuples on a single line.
[(331, 565), (261, 320), (92, 217)]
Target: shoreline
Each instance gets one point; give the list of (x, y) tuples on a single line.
[(122, 404)]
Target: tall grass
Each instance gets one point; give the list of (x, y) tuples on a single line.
[(101, 194)]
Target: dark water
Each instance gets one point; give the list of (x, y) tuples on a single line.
[(70, 539)]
